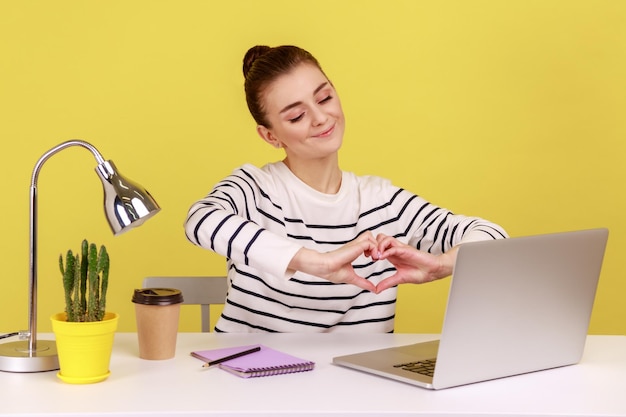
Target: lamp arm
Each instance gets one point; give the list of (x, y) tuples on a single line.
[(60, 147), (32, 309)]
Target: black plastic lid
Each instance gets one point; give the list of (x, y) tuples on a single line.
[(158, 296)]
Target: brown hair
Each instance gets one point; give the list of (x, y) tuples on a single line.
[(262, 65)]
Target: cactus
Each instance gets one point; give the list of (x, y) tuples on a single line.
[(83, 277), (85, 282), (103, 267), (68, 281)]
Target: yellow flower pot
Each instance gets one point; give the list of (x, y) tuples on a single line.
[(84, 348)]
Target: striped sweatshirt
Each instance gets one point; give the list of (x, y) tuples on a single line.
[(258, 218)]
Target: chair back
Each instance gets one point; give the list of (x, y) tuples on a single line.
[(196, 290)]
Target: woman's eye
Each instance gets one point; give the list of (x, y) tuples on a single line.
[(297, 118), (325, 99)]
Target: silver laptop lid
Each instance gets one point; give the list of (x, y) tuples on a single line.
[(515, 306), (519, 305)]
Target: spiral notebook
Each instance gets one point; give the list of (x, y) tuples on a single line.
[(265, 362)]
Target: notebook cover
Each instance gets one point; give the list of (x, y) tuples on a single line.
[(265, 362)]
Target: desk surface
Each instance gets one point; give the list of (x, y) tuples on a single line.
[(181, 387)]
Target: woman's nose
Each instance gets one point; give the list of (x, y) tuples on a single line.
[(319, 116)]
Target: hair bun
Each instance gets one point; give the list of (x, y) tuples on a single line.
[(252, 55)]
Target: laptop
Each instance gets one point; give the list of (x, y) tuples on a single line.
[(515, 306)]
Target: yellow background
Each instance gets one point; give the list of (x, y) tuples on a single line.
[(511, 110)]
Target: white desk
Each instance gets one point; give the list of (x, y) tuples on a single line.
[(180, 387)]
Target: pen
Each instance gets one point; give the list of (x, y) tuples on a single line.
[(236, 355)]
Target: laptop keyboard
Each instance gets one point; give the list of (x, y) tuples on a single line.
[(424, 367)]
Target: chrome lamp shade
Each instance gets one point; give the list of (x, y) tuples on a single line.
[(126, 205)]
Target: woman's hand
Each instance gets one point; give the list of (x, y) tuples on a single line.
[(336, 266), (412, 265)]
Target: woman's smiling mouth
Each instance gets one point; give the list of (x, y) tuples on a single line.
[(325, 133)]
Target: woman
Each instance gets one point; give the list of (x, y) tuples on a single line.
[(308, 246)]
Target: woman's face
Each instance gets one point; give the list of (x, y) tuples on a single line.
[(305, 114)]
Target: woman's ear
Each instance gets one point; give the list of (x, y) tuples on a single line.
[(267, 136)]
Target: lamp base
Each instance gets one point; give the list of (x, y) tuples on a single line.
[(16, 357)]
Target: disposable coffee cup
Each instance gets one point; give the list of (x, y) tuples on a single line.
[(157, 311)]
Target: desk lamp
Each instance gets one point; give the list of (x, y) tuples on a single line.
[(126, 205)]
